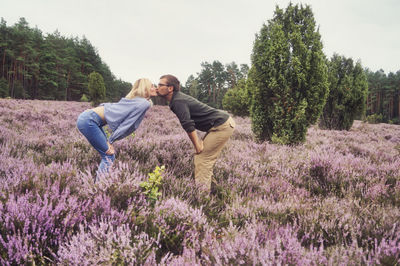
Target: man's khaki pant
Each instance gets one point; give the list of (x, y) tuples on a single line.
[(213, 142)]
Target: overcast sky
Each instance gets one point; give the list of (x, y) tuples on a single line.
[(149, 38)]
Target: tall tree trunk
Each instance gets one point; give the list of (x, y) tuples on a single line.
[(398, 106), (218, 91), (214, 89), (34, 87), (391, 108), (9, 80), (4, 62), (67, 92), (209, 92), (378, 102)]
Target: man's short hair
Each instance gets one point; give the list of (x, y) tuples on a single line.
[(172, 81)]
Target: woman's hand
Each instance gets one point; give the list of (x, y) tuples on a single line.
[(110, 150)]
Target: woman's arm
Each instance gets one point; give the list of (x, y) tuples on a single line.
[(130, 123)]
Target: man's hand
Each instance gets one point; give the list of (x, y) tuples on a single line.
[(110, 150), (199, 147)]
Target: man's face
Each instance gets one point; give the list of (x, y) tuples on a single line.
[(163, 88)]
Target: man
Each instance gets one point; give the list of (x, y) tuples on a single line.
[(193, 115)]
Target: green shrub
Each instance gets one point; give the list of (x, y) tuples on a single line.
[(374, 118), (84, 98), (347, 94), (152, 186), (288, 76), (237, 99), (97, 89)]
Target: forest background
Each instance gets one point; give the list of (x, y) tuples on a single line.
[(34, 65)]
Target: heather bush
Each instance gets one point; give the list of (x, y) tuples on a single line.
[(333, 200), (105, 244), (122, 185), (33, 224), (178, 225), (258, 244)]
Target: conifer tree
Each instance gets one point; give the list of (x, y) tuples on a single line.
[(49, 66), (347, 94), (288, 76), (97, 89)]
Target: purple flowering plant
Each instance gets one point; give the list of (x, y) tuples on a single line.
[(333, 200)]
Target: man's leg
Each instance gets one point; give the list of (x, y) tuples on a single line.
[(214, 142)]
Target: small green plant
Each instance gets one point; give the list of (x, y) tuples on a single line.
[(84, 98), (374, 118), (108, 132), (152, 185)]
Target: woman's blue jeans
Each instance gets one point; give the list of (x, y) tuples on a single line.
[(91, 125)]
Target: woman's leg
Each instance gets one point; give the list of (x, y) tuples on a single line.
[(90, 125), (106, 160)]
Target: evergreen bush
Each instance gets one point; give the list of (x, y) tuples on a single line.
[(237, 100), (84, 98), (288, 76), (347, 94), (97, 89)]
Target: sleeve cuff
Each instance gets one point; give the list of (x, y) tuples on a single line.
[(190, 129)]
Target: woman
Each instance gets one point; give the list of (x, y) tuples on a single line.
[(122, 117)]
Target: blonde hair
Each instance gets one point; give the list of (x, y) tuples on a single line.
[(141, 88)]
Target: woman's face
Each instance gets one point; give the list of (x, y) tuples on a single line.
[(153, 91)]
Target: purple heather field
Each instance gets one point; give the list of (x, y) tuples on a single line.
[(334, 200)]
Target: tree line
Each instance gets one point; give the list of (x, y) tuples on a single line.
[(214, 80), (383, 102), (292, 84), (34, 65), (289, 86), (223, 86)]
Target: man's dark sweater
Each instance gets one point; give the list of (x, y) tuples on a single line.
[(194, 114)]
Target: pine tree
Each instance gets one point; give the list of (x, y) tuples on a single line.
[(288, 76), (49, 66), (97, 89)]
